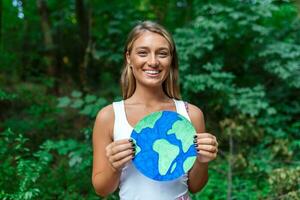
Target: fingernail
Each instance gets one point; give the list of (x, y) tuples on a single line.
[(195, 136), (133, 145), (133, 149), (195, 145), (130, 140), (195, 141)]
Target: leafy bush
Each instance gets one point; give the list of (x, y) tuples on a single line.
[(52, 171)]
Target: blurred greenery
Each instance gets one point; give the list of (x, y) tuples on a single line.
[(60, 62)]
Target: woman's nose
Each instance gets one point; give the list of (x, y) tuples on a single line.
[(152, 61)]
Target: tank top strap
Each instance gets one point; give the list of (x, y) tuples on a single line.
[(122, 129), (181, 108)]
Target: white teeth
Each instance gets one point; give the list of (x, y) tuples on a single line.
[(152, 71)]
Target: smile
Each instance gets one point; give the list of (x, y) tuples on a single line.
[(152, 72)]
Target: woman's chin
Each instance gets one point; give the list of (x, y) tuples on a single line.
[(151, 83)]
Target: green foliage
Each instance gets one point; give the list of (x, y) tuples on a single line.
[(20, 168), (52, 170), (286, 181), (89, 105), (6, 96), (31, 110), (239, 62), (241, 66)]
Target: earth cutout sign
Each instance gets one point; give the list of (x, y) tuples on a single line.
[(164, 145)]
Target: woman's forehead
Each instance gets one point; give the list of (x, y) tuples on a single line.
[(149, 39)]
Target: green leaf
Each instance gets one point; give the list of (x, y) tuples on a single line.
[(76, 94), (90, 98), (63, 102), (87, 110), (77, 103)]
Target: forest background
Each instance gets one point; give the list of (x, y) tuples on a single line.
[(60, 63)]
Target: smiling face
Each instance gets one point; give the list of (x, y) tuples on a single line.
[(150, 58)]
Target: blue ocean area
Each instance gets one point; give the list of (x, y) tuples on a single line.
[(146, 161)]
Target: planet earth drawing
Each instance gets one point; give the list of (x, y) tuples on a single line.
[(164, 145)]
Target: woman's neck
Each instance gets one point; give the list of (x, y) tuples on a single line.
[(148, 96)]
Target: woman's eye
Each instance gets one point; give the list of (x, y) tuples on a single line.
[(163, 54), (142, 53)]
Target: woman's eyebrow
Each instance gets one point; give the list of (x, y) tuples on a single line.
[(142, 47), (164, 48), (145, 47)]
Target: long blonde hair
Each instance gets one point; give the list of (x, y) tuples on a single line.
[(170, 85)]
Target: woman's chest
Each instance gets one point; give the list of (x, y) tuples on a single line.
[(135, 113)]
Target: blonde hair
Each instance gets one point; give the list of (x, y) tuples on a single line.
[(170, 85)]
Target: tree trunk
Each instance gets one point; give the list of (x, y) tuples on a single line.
[(297, 2), (84, 23), (229, 173), (1, 11), (25, 46), (48, 41), (159, 7)]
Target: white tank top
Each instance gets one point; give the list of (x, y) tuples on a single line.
[(134, 185)]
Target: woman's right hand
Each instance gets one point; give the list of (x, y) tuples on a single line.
[(120, 152)]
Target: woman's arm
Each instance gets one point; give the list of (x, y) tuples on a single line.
[(198, 175), (108, 157)]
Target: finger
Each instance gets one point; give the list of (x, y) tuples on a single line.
[(208, 148), (121, 147), (119, 156), (122, 141), (108, 149), (207, 154), (204, 135), (111, 146), (207, 141), (119, 164)]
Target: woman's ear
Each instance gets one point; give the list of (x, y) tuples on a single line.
[(128, 57)]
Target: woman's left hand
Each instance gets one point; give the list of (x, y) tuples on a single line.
[(207, 147)]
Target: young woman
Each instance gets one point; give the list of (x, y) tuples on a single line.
[(149, 84)]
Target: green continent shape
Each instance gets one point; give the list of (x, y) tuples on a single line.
[(148, 121), (137, 147), (167, 153), (173, 167), (184, 132), (188, 163)]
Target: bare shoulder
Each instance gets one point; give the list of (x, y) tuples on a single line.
[(197, 117), (105, 118), (106, 114), (195, 112)]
